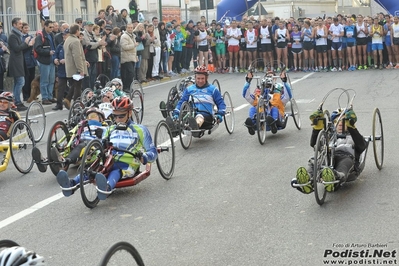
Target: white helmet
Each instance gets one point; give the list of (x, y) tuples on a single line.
[(116, 80), (19, 256), (106, 108)]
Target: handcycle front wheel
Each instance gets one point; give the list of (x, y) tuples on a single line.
[(75, 114), (136, 85), (216, 83), (261, 120), (92, 160), (229, 120), (321, 158), (295, 114), (378, 139), (58, 138), (22, 142), (84, 97), (165, 146), (122, 253), (184, 133), (172, 100), (36, 119), (137, 100)]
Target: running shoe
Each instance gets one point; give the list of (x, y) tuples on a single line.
[(334, 69), (360, 68), (303, 178), (328, 176), (365, 67), (340, 69)]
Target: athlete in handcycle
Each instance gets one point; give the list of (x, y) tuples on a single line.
[(340, 150), (66, 147), (268, 104), (201, 108)]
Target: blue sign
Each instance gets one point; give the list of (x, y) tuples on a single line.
[(392, 6)]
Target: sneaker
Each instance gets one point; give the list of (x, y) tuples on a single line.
[(316, 69), (397, 66), (103, 189), (272, 124), (56, 158), (67, 103), (162, 107), (38, 159), (230, 70), (192, 123), (328, 176), (242, 70), (278, 69), (365, 67), (340, 69), (360, 68), (389, 66), (65, 183), (236, 70), (265, 69), (302, 177), (250, 125), (334, 69), (381, 68), (21, 107), (183, 70)]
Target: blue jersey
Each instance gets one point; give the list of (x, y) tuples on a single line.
[(350, 33), (204, 99)]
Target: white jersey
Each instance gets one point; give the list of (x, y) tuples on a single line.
[(360, 34), (265, 35), (281, 34), (395, 28), (234, 33), (336, 30), (320, 41), (251, 37), (202, 35), (45, 10)]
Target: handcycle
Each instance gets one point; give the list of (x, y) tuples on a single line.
[(326, 142), (188, 111), (263, 109), (97, 158)]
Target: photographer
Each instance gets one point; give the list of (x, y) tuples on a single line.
[(112, 16)]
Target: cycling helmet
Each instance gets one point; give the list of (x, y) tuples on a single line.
[(105, 90), (201, 70), (278, 88), (122, 104), (7, 96), (106, 108), (335, 114), (117, 81), (19, 256), (267, 82), (97, 111)]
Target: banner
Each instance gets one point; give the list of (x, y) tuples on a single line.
[(233, 9), (392, 6)]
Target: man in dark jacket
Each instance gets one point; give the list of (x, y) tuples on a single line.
[(3, 50), (190, 41), (45, 49), (16, 66), (30, 63)]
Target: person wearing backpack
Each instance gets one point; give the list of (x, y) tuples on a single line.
[(16, 65), (45, 48)]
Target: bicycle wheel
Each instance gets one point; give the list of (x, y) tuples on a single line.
[(172, 100), (22, 142), (6, 243), (59, 138), (136, 85), (122, 253), (378, 139), (261, 120), (184, 132), (92, 159), (86, 95), (104, 79), (165, 145), (75, 113), (216, 83), (229, 120), (295, 114), (137, 99), (36, 119), (320, 161)]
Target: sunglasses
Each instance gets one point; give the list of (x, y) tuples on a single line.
[(120, 116), (4, 101)]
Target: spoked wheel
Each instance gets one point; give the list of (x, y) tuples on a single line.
[(229, 120), (295, 113), (75, 113), (216, 83), (173, 98), (104, 79), (166, 150), (261, 120), (320, 161), (137, 99), (184, 131), (22, 142), (92, 159), (86, 95), (378, 139), (36, 119), (7, 244), (59, 138), (136, 85), (122, 253)]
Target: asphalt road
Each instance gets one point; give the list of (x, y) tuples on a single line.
[(229, 201)]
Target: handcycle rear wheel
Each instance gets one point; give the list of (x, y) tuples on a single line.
[(92, 159), (321, 158), (84, 96), (113, 257), (165, 145), (104, 79), (36, 119), (216, 83), (261, 120), (184, 132), (229, 120), (378, 139), (295, 114), (75, 114), (22, 142), (136, 85), (137, 99), (58, 137)]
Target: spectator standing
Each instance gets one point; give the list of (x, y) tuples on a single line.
[(164, 47), (190, 41), (59, 37), (178, 47), (44, 8), (157, 50), (59, 60), (30, 63), (16, 65), (45, 49), (134, 10), (101, 16), (145, 56), (124, 19), (112, 16), (75, 63), (183, 25), (3, 50), (115, 51), (128, 57), (139, 34)]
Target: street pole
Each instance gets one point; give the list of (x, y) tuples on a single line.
[(186, 15), (160, 10), (206, 8)]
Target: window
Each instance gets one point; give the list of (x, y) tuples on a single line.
[(31, 15), (59, 10), (83, 9)]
